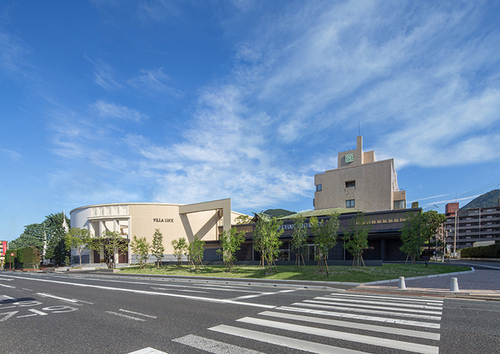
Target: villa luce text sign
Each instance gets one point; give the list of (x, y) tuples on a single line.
[(162, 220)]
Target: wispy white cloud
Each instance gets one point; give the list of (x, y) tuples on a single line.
[(109, 110), (104, 75), (12, 53), (14, 155), (416, 77), (158, 10), (154, 81)]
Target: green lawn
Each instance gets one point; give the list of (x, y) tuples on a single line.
[(337, 273)]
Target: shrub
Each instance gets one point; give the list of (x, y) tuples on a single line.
[(491, 251)]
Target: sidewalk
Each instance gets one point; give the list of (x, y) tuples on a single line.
[(478, 284)]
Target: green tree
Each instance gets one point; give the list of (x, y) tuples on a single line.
[(140, 247), (32, 236), (157, 248), (325, 237), (431, 221), (356, 237), (268, 237), (55, 233), (411, 236), (299, 238), (78, 239), (112, 243), (195, 251), (259, 233), (230, 241), (243, 219), (180, 248)]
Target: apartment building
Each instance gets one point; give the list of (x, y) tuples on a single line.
[(467, 228), (360, 182)]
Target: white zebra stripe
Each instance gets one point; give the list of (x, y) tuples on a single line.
[(358, 338)]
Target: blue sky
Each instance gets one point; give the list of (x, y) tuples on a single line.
[(189, 101)]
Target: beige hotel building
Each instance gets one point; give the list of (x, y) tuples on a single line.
[(360, 182)]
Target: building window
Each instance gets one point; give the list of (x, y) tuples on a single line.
[(349, 203), (350, 184), (399, 204), (319, 187)]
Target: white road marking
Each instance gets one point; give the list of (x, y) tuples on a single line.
[(283, 341), (147, 350), (137, 313), (8, 286), (23, 316), (389, 313), (126, 316), (388, 298), (26, 289), (213, 346), (361, 317), (205, 286), (416, 306), (38, 312), (183, 290), (57, 297), (355, 325), (261, 294), (8, 315), (144, 292), (387, 308), (358, 338), (5, 297), (252, 296)]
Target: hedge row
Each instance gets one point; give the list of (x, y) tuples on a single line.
[(491, 251), (28, 257)]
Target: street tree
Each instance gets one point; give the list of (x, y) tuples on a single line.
[(325, 238), (195, 251), (140, 247), (299, 238), (412, 237), (157, 248), (111, 242), (268, 234), (356, 237), (259, 233), (431, 221), (180, 248), (79, 240), (230, 241)]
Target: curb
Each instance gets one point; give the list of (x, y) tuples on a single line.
[(301, 284), (421, 277), (420, 292)]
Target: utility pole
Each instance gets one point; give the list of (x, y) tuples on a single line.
[(455, 239)]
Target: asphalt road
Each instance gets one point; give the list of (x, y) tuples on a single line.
[(56, 313)]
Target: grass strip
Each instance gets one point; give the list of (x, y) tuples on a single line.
[(336, 273)]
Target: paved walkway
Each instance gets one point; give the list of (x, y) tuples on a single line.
[(479, 282)]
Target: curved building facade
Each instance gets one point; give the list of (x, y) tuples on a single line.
[(142, 219)]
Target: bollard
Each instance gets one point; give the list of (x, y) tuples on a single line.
[(454, 285), (402, 285)]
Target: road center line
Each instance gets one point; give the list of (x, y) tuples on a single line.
[(144, 292), (137, 313), (126, 316)]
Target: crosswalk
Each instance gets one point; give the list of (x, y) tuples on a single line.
[(335, 323)]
